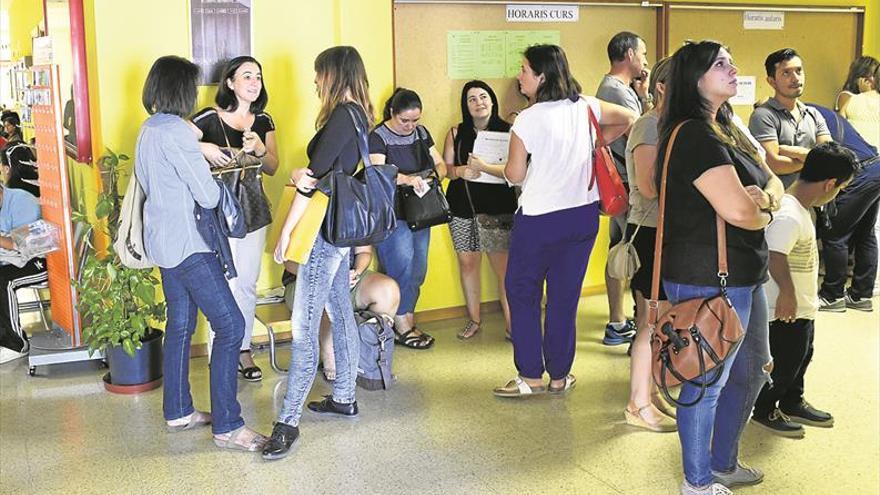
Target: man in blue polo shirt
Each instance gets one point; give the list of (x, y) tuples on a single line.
[(17, 208)]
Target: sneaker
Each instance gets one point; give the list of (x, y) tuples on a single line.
[(806, 414), (7, 355), (713, 489), (832, 305), (742, 475), (780, 424), (615, 336), (863, 304)]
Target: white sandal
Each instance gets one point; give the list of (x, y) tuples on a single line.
[(570, 380), (517, 387)]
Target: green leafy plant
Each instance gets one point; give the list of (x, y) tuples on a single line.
[(118, 304)]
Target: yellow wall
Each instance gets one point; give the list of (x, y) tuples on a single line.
[(123, 40), (24, 17), (287, 36)]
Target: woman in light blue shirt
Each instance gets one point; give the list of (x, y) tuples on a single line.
[(175, 176)]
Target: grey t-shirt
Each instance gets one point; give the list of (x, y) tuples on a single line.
[(644, 131), (613, 90), (773, 122)]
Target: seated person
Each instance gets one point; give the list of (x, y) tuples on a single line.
[(370, 291), (18, 156), (17, 208)]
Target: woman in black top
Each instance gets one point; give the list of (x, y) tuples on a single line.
[(714, 169), (482, 212), (323, 281), (239, 121), (401, 141)]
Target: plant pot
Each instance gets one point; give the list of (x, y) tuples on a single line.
[(131, 375)]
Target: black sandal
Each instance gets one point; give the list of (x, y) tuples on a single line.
[(409, 339), (251, 373)]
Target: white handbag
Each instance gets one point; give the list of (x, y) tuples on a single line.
[(623, 259), (129, 242)]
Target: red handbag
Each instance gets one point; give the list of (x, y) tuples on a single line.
[(613, 199)]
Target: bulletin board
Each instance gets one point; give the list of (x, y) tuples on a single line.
[(420, 36), (826, 40), (420, 58)]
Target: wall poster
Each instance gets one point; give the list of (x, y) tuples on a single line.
[(221, 29)]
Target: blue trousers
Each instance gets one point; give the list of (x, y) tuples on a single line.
[(852, 226), (404, 257), (553, 248)]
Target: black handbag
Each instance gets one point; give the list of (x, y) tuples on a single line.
[(361, 207), (430, 209), (245, 182)]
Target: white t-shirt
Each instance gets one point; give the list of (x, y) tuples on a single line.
[(557, 135), (792, 233)]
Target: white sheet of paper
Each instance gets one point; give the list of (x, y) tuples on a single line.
[(492, 147)]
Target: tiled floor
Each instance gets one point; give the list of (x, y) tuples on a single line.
[(438, 431)]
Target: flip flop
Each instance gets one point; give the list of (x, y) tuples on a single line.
[(198, 418), (231, 443), (569, 383), (517, 387)]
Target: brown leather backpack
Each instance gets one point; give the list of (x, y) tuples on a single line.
[(690, 341)]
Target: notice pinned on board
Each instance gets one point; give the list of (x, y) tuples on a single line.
[(745, 91), (542, 13), (756, 19), (490, 54)]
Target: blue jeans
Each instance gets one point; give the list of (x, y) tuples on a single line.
[(321, 283), (197, 283), (404, 257), (710, 430)]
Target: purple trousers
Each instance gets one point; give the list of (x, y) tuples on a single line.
[(553, 248)]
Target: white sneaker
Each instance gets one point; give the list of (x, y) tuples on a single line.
[(7, 355), (713, 489)]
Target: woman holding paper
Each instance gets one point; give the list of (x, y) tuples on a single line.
[(400, 140), (481, 201)]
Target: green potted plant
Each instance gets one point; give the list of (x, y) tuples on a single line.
[(118, 304)]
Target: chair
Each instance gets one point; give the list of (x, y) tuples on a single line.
[(271, 311)]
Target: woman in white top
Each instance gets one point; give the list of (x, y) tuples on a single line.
[(859, 102), (555, 226)]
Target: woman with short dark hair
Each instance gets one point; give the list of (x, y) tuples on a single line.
[(555, 226), (239, 121), (175, 177)]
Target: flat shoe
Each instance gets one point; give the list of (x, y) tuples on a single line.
[(636, 419), (517, 387), (197, 419), (569, 383), (232, 442)]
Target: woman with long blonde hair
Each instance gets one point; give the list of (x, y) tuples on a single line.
[(323, 281)]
